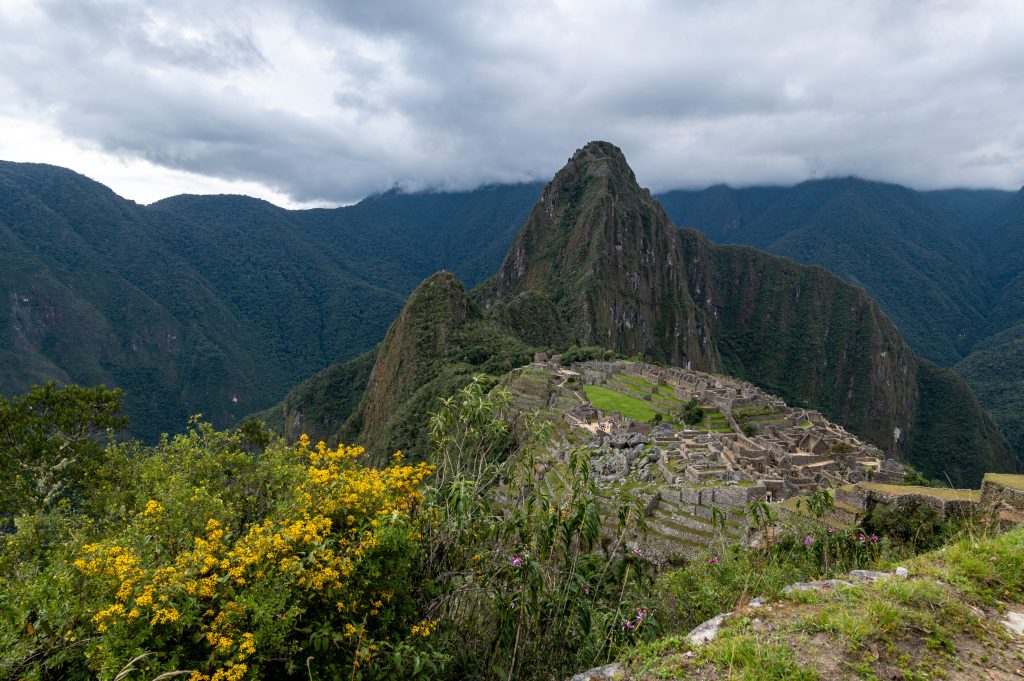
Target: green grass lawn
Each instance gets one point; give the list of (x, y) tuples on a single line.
[(609, 400), (1006, 480)]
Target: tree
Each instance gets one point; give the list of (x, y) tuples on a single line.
[(692, 413), (761, 516), (51, 445)]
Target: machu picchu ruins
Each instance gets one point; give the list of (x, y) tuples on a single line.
[(695, 449)]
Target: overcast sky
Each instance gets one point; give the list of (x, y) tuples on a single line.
[(323, 102)]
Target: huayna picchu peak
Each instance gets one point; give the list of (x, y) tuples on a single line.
[(598, 264), (612, 264)]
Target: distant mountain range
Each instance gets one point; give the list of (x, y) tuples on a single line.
[(220, 304), (216, 304)]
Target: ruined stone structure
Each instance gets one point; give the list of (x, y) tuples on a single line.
[(947, 503), (750, 446)]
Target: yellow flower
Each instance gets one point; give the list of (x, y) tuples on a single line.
[(248, 645)]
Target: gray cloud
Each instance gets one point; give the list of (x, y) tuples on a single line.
[(330, 101)]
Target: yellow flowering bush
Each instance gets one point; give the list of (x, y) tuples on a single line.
[(322, 587)]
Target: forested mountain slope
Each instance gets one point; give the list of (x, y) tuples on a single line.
[(946, 266), (216, 304), (219, 303)]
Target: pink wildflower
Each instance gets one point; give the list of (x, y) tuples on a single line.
[(516, 561), (713, 560), (808, 540)]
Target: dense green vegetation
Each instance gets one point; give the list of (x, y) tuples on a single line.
[(216, 304), (928, 274), (51, 454), (320, 406), (995, 372), (232, 555), (224, 560)]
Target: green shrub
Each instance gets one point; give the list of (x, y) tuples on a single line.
[(51, 447), (921, 528), (277, 564), (717, 580), (520, 591), (585, 354), (692, 414)]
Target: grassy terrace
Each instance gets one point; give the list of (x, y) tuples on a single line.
[(609, 400), (763, 410), (1006, 480), (938, 492), (663, 394), (715, 421), (635, 381), (667, 391)]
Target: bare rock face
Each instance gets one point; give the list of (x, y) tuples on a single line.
[(603, 250), (821, 585), (1014, 623), (707, 631)]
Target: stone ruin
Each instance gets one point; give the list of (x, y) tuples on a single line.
[(681, 473)]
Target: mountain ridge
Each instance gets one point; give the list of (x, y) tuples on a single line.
[(213, 304), (945, 278), (159, 304)]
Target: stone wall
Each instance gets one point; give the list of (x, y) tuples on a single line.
[(993, 493), (737, 495), (946, 508), (854, 496)]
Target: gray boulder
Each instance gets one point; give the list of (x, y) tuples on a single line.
[(609, 672)]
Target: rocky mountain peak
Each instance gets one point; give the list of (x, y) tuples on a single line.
[(603, 250)]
